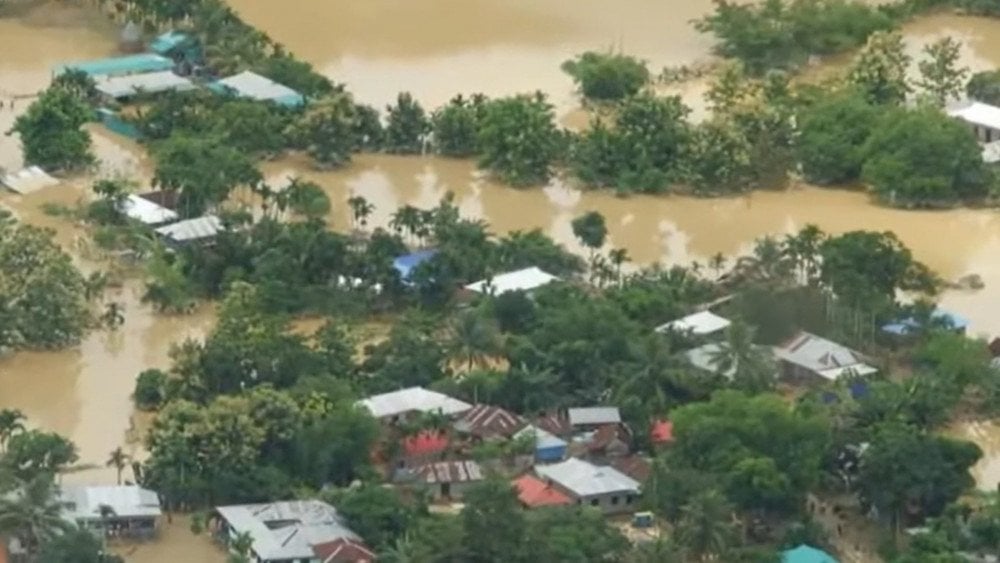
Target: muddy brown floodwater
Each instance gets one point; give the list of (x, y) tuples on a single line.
[(436, 48)]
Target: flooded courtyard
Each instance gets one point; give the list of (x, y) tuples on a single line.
[(435, 49)]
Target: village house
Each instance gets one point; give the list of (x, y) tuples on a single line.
[(119, 510), (253, 86), (533, 492), (525, 280), (635, 466), (486, 422), (292, 531), (703, 323), (444, 480), (602, 487), (400, 405), (807, 357), (606, 442), (426, 446), (590, 418), (189, 231), (983, 119), (549, 448)]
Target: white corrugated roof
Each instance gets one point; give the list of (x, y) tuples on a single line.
[(127, 501), (296, 526), (703, 357), (520, 280), (146, 211), (543, 439), (704, 322), (27, 180), (825, 357), (192, 229), (594, 415), (149, 82), (413, 399), (584, 479), (252, 85), (977, 113)]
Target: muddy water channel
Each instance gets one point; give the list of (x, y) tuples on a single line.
[(436, 48)]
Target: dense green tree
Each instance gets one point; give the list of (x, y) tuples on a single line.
[(76, 546), (336, 447), (52, 134), (307, 199), (941, 77), (407, 126), (923, 158), (590, 229), (705, 527), (985, 87), (328, 130), (34, 452), (607, 76), (119, 460), (375, 513), (475, 338), (752, 368), (865, 268), (203, 170), (573, 534), (718, 160), (879, 71), (11, 422), (456, 126), (285, 69), (518, 139), (150, 389), (252, 126), (832, 137), (493, 523), (33, 512)]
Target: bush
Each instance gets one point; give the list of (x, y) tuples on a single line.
[(150, 389), (607, 76), (832, 137), (985, 87), (455, 126), (518, 139)]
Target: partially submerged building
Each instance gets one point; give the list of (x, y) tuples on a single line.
[(118, 88), (291, 531), (27, 180), (117, 510), (188, 231), (527, 280), (983, 119), (119, 66), (140, 209), (253, 86)]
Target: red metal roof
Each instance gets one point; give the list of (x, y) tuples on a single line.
[(662, 432), (425, 443), (343, 551), (534, 492)]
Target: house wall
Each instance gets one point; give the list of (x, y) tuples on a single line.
[(551, 454), (612, 503)]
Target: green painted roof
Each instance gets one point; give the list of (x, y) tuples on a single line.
[(806, 554), (117, 66)]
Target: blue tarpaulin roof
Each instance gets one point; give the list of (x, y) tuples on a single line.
[(406, 263), (806, 554), (905, 326), (168, 41), (117, 66)]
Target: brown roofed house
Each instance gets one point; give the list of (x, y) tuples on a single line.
[(487, 422)]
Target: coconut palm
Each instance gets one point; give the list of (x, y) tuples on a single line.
[(705, 526), (119, 460), (240, 548), (361, 209), (662, 550), (33, 512), (474, 337), (11, 422), (114, 315), (751, 368), (401, 551)]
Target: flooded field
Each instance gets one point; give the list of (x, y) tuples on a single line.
[(436, 48)]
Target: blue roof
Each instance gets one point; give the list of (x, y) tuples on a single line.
[(406, 263), (131, 64), (806, 554), (168, 41), (902, 327)]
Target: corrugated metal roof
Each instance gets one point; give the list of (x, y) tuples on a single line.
[(977, 113), (594, 415), (487, 421), (146, 211), (520, 280), (192, 229), (822, 356), (254, 86), (145, 62), (127, 501), (704, 322), (450, 472), (413, 399), (289, 529), (584, 479), (147, 82), (27, 180)]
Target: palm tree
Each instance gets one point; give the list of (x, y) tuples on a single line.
[(11, 422), (407, 218), (119, 460), (114, 315), (361, 209), (751, 368), (240, 547), (474, 337), (662, 550), (33, 513), (803, 249), (402, 551), (618, 257), (705, 526)]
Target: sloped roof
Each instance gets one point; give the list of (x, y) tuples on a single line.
[(192, 229), (449, 472), (584, 479), (168, 41), (425, 442), (594, 415), (147, 82), (145, 62), (256, 87), (413, 399), (127, 501), (27, 180), (636, 467), (825, 357), (146, 211), (701, 323), (343, 551), (806, 554), (543, 439), (606, 434), (289, 529), (662, 432), (533, 492), (487, 421), (703, 358), (554, 422), (520, 280), (977, 113)]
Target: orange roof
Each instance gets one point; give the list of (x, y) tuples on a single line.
[(662, 432), (534, 492), (425, 443)]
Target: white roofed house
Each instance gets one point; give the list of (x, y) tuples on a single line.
[(147, 212), (587, 484), (592, 417), (118, 510), (702, 323), (984, 119), (129, 85), (292, 531), (401, 404), (525, 280), (188, 231), (807, 357)]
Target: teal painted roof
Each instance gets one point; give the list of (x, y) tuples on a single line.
[(117, 66), (806, 554), (168, 41)]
